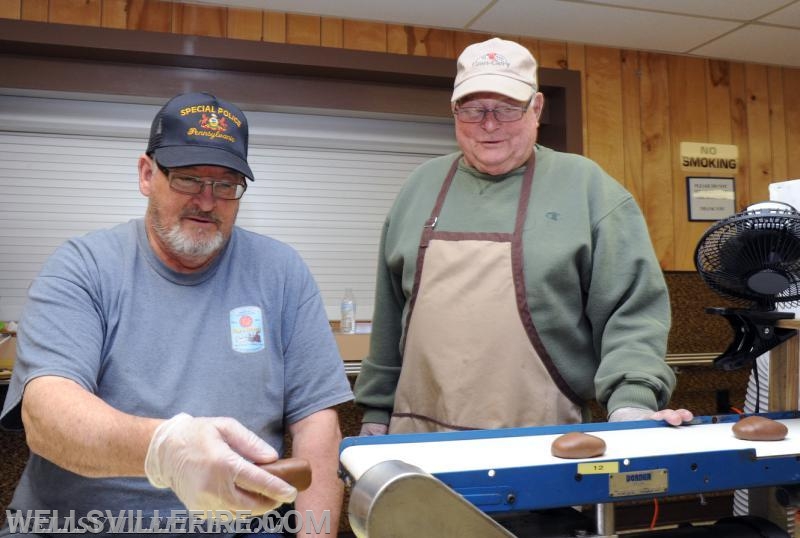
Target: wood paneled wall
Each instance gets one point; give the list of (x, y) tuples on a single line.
[(637, 106)]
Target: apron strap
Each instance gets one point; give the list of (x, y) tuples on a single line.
[(430, 224)]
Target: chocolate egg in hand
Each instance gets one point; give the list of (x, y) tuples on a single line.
[(295, 471)]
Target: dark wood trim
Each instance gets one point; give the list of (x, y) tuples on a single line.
[(158, 48), (254, 91), (155, 66)]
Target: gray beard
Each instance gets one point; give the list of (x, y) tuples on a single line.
[(178, 243)]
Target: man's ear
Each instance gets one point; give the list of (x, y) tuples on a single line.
[(147, 173), (538, 105)]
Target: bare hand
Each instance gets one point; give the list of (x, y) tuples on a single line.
[(373, 428), (674, 417)]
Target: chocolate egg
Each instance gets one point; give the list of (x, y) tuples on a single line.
[(574, 445), (759, 429), (295, 471)]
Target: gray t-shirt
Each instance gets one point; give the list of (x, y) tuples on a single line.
[(247, 338)]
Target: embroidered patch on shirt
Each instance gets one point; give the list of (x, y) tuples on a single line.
[(247, 329)]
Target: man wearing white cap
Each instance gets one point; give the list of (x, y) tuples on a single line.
[(515, 283)]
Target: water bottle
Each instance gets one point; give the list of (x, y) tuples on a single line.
[(348, 321)]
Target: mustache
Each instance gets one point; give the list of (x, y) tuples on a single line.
[(201, 214)]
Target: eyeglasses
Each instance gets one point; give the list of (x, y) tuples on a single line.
[(187, 184), (503, 114)]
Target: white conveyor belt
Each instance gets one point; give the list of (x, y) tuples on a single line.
[(526, 451)]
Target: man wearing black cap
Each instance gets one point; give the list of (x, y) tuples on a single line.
[(160, 361)]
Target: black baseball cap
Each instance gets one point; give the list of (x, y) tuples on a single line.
[(198, 129)]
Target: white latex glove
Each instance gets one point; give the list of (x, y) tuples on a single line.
[(674, 417), (373, 428), (205, 462)]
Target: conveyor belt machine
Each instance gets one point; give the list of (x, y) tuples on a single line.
[(461, 484)]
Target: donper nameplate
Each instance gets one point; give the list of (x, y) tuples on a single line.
[(638, 483)]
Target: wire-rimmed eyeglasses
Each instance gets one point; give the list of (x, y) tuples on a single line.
[(188, 184)]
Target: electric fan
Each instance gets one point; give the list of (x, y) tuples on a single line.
[(753, 259)]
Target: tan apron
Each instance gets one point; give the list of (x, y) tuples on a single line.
[(472, 358)]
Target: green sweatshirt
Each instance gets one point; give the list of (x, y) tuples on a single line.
[(595, 290)]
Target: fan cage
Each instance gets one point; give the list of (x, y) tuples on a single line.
[(754, 242)]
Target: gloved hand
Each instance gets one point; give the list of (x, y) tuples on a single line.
[(373, 428), (205, 462)]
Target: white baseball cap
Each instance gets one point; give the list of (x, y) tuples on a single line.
[(496, 66)]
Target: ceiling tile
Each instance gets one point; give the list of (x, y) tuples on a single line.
[(757, 43), (788, 16), (741, 10), (676, 26), (601, 25)]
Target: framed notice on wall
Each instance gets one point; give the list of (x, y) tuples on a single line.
[(710, 198)]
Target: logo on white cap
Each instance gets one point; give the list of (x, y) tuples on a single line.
[(491, 59)]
